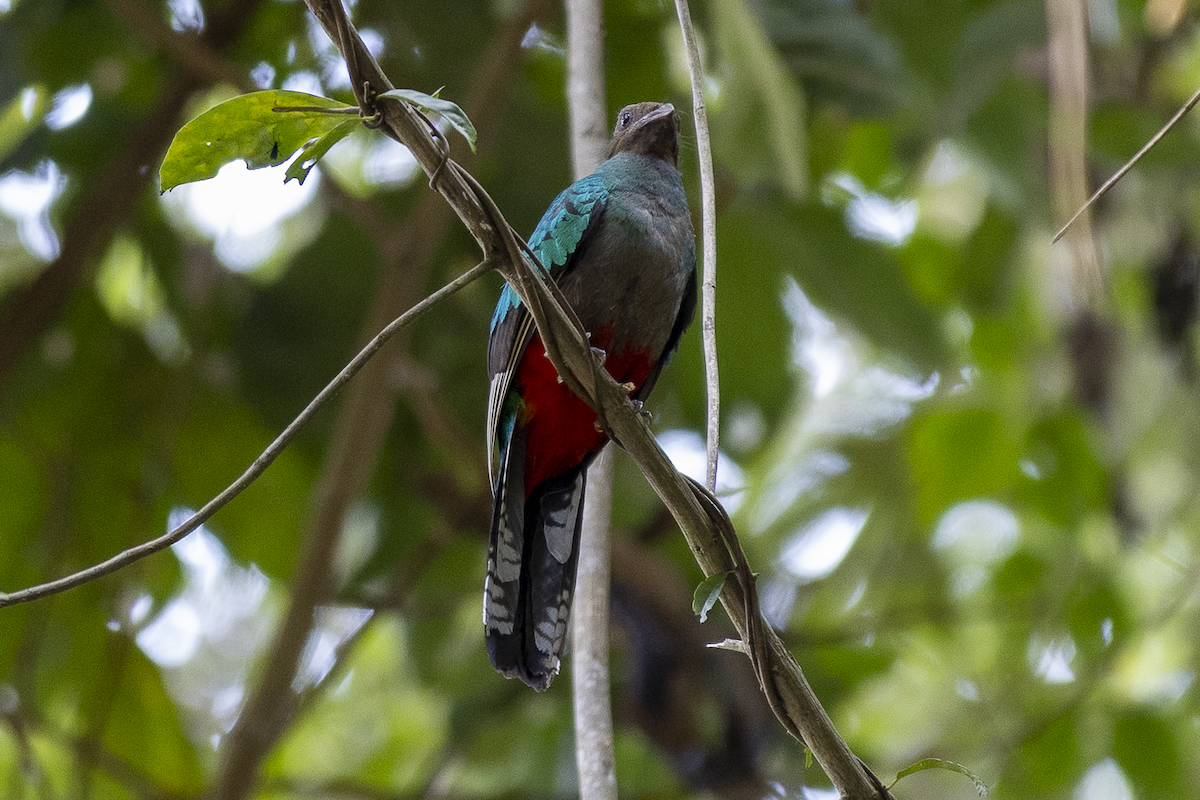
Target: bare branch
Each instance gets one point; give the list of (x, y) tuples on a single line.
[(708, 227), (1066, 22), (127, 557), (585, 84), (594, 754), (1108, 184)]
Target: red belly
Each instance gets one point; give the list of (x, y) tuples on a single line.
[(560, 428)]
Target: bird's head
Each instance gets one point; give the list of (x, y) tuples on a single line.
[(650, 129)]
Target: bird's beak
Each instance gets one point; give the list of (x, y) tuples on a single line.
[(666, 109)]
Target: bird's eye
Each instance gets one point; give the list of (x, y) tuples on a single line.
[(626, 118)]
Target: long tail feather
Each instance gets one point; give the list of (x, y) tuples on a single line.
[(526, 619)]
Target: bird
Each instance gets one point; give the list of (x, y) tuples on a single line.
[(621, 247)]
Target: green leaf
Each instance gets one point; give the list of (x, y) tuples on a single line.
[(945, 447), (145, 728), (707, 593), (20, 117), (313, 153), (254, 127), (938, 763), (444, 108), (1147, 746)]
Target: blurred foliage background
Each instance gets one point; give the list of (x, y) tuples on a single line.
[(971, 496)]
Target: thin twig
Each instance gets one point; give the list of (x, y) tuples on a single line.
[(708, 227), (127, 557), (1108, 184)]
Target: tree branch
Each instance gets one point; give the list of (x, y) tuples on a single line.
[(1066, 21), (708, 227), (594, 754), (585, 84)]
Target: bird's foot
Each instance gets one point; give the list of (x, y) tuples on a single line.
[(641, 410)]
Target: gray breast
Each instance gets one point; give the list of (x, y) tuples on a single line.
[(632, 275)]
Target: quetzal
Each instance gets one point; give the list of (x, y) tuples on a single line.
[(620, 245)]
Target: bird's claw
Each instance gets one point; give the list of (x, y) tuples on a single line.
[(633, 401), (557, 378), (641, 410)]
